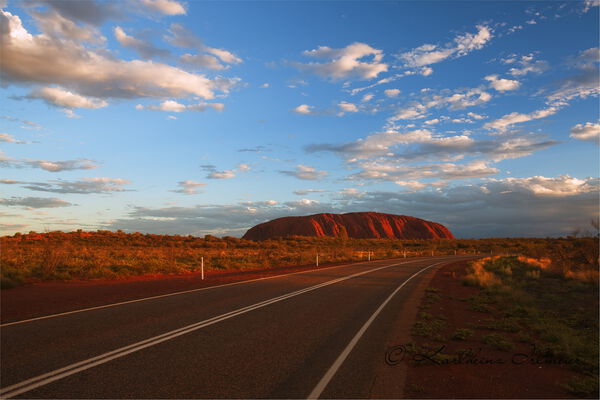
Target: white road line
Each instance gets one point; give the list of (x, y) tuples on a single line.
[(168, 295), (316, 392), (44, 379)]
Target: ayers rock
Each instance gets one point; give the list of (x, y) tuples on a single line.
[(361, 225)]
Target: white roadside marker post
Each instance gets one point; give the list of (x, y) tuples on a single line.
[(202, 267), (317, 259), (369, 255)]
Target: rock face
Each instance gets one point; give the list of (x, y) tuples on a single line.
[(361, 225)]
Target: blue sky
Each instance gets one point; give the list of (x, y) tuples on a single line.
[(199, 117)]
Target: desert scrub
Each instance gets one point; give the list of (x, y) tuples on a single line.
[(498, 341), (429, 326), (462, 334)]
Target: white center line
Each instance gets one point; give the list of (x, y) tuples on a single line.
[(44, 379), (316, 392), (168, 295)]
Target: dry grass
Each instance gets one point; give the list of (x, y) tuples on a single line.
[(104, 254)]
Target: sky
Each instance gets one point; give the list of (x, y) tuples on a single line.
[(209, 117)]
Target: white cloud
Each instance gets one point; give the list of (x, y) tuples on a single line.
[(588, 4), (426, 71), (70, 113), (304, 192), (390, 170), (304, 109), (173, 106), (89, 72), (84, 186), (145, 49), (505, 122), (476, 116), (221, 174), (202, 61), (8, 138), (264, 85), (585, 84), (182, 37), (346, 63), (561, 186), (414, 185), (527, 65), (166, 7), (502, 85), (392, 92), (55, 166), (347, 108), (60, 97), (305, 172), (243, 167), (35, 202), (189, 187), (55, 25), (367, 97), (428, 54), (588, 131), (496, 208), (50, 166)]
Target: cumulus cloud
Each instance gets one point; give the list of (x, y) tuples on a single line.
[(189, 187), (84, 186), (55, 25), (502, 85), (588, 131), (91, 12), (213, 173), (456, 100), (346, 107), (367, 97), (304, 109), (392, 92), (57, 96), (389, 170), (345, 63), (527, 64), (502, 124), (426, 71), (462, 45), (34, 202), (166, 7), (305, 172), (145, 49), (28, 59)]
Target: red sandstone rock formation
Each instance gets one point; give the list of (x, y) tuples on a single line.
[(363, 225)]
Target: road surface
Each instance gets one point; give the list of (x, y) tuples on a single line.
[(315, 334)]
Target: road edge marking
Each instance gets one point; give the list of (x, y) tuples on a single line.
[(49, 377), (324, 381)]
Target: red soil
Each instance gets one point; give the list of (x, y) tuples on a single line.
[(360, 225), (510, 379), (45, 298)]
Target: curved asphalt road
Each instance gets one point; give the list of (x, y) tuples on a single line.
[(320, 333)]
